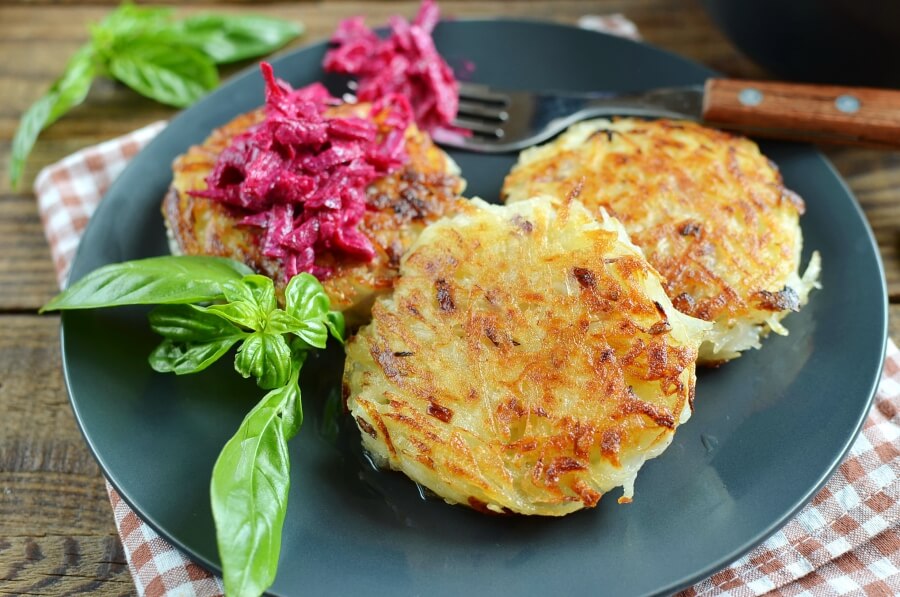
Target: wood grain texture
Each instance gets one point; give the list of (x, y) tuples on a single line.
[(27, 279), (56, 531), (874, 177), (805, 112), (64, 565)]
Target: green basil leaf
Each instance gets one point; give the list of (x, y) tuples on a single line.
[(68, 91), (129, 19), (156, 280), (305, 298), (254, 289), (231, 38), (314, 332), (292, 409), (173, 75), (190, 323), (189, 357), (279, 322), (240, 312), (74, 84), (263, 291), (266, 357), (249, 492), (335, 322), (30, 126)]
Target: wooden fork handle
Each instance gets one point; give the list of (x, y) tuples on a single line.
[(817, 113)]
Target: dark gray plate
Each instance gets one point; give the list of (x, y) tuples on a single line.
[(768, 430)]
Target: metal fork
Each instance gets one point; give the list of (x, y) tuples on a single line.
[(505, 121)]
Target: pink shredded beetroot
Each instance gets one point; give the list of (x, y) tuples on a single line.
[(302, 175), (406, 63)]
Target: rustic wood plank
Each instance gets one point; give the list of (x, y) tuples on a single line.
[(32, 392), (874, 178), (64, 565), (894, 323), (27, 279), (56, 528), (39, 434)]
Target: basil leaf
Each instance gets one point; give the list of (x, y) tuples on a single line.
[(231, 38), (335, 323), (262, 289), (74, 84), (305, 298), (249, 492), (266, 357), (241, 313), (190, 323), (189, 357), (313, 332), (173, 75), (292, 407), (129, 19), (254, 289), (251, 299), (279, 322), (306, 301), (68, 91), (156, 280)]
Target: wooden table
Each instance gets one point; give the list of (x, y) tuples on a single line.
[(56, 529)]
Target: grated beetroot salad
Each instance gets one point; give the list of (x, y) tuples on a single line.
[(406, 63), (302, 175)]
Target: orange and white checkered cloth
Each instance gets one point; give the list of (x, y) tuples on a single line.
[(845, 542)]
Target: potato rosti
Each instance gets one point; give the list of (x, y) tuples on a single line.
[(528, 360), (399, 206), (707, 208)]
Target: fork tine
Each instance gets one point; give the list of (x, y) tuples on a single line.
[(482, 110), (477, 92), (486, 129)]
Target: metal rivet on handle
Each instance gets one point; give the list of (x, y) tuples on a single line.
[(847, 104), (750, 97)]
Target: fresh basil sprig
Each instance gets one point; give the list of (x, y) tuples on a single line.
[(250, 479), (168, 60), (249, 488)]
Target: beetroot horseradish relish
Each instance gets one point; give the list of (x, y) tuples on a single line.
[(406, 63), (302, 175)]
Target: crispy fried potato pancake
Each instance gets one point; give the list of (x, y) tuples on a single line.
[(399, 207), (528, 360), (708, 209)]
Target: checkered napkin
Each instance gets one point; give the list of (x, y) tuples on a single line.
[(846, 542)]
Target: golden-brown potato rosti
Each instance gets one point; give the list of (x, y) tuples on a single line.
[(707, 208), (528, 360), (399, 206)]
